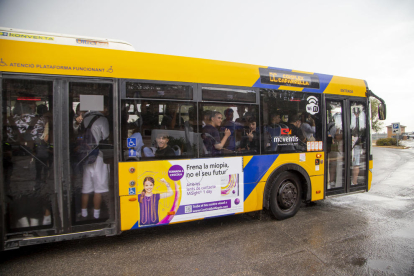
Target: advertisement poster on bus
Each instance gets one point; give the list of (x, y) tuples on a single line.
[(173, 191)]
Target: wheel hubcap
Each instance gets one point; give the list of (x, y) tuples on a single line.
[(288, 195)]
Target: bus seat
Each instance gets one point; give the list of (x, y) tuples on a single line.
[(149, 152), (177, 150)]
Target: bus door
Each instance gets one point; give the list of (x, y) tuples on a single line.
[(346, 137), (90, 120), (54, 179), (29, 197)]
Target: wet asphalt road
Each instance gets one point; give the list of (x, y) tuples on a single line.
[(362, 234)]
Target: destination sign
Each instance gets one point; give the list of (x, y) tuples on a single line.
[(280, 77)]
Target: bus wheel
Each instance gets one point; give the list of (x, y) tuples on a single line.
[(285, 196)]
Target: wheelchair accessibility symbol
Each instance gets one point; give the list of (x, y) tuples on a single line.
[(131, 191), (132, 142), (2, 63)]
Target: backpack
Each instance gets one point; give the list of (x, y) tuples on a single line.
[(87, 149)]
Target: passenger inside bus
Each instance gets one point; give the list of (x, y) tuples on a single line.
[(250, 143), (96, 174), (308, 126), (206, 118), (163, 149), (294, 126), (231, 125), (28, 130), (211, 135), (274, 130), (149, 113), (172, 118), (357, 127)]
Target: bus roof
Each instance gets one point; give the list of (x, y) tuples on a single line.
[(24, 56), (64, 39)]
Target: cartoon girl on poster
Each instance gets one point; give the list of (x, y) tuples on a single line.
[(148, 201)]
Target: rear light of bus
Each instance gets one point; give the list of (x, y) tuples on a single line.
[(318, 155), (132, 199), (171, 213)]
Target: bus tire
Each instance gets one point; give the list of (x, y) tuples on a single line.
[(285, 195)]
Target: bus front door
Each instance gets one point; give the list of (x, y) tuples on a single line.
[(346, 136)]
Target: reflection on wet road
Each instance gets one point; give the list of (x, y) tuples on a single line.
[(361, 234)]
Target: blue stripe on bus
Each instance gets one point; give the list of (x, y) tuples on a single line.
[(324, 81), (255, 170), (135, 226)]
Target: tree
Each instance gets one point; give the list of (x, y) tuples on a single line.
[(376, 124)]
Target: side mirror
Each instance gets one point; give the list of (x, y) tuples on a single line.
[(382, 111)]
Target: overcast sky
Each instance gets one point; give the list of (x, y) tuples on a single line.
[(370, 40)]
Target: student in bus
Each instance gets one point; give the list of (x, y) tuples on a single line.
[(206, 118), (231, 125), (334, 146), (211, 135), (163, 149), (42, 143), (149, 202), (274, 130), (251, 141), (172, 118), (149, 114), (95, 175), (294, 126), (308, 126), (26, 208), (78, 118), (357, 130)]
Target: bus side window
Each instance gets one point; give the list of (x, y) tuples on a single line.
[(291, 121), (229, 130), (162, 128)]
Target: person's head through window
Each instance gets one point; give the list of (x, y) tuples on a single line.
[(248, 115), (307, 118), (295, 120), (240, 111), (229, 114), (206, 117), (41, 109), (252, 124), (216, 119), (275, 118), (162, 140)]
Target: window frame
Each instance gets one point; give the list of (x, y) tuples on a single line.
[(321, 131), (230, 87), (123, 97)]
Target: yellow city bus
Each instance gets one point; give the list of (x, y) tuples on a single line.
[(98, 139)]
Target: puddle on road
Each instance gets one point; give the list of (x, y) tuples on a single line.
[(380, 265), (376, 265), (359, 261), (406, 232)]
